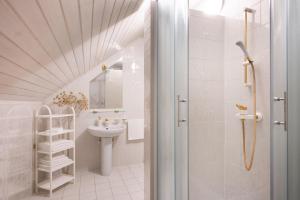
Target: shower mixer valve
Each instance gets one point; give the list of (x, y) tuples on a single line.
[(243, 115)]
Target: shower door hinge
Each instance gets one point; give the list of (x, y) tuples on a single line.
[(179, 101), (285, 110)]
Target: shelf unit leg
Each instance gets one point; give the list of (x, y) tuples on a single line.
[(73, 137), (51, 156)]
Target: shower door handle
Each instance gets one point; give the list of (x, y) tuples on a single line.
[(285, 110), (179, 101), (279, 98), (279, 123)]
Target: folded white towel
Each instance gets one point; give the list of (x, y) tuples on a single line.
[(55, 160), (135, 129), (56, 146), (55, 164)]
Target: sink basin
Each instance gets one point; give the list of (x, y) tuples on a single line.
[(105, 132)]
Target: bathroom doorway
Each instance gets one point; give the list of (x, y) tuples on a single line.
[(93, 55)]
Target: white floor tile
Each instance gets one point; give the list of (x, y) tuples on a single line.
[(104, 194), (131, 181), (75, 197), (117, 183), (119, 190), (115, 178), (122, 197), (137, 195), (101, 180), (125, 183), (87, 189), (103, 186), (134, 188), (127, 175), (69, 193), (88, 196), (87, 183)]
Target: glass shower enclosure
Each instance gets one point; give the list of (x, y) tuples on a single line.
[(200, 79)]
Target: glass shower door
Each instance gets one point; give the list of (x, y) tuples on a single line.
[(285, 108), (278, 88)]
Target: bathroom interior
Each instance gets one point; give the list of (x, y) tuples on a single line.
[(149, 100)]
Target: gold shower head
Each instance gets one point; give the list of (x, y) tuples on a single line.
[(241, 107), (249, 10)]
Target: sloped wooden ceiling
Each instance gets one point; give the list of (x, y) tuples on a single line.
[(45, 44)]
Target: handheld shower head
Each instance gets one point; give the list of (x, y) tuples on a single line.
[(242, 46)]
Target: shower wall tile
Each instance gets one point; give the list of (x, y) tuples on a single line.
[(265, 14), (205, 49), (235, 8), (206, 107), (209, 29), (205, 69)]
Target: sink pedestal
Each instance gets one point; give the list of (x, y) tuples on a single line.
[(106, 155), (106, 134)]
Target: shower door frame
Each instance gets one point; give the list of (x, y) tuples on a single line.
[(172, 100), (293, 94)]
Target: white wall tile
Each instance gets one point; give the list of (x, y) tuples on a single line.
[(206, 108), (16, 137)]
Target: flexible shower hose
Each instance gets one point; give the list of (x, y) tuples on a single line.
[(248, 165)]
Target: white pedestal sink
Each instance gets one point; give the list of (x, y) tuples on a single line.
[(106, 133)]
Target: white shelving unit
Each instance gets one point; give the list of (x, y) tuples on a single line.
[(54, 148)]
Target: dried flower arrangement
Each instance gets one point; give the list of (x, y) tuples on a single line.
[(79, 101)]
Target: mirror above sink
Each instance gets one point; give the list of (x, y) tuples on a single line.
[(106, 90)]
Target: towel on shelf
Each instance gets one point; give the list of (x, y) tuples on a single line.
[(135, 129), (56, 146), (57, 161)]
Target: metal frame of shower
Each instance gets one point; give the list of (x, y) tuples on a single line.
[(172, 118)]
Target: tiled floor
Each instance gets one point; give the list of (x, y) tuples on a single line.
[(125, 183)]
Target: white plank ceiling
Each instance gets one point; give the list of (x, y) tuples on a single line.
[(45, 44)]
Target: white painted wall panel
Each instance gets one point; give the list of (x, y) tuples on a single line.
[(45, 44)]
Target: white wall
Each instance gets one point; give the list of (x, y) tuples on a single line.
[(16, 137), (124, 152), (216, 85)]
